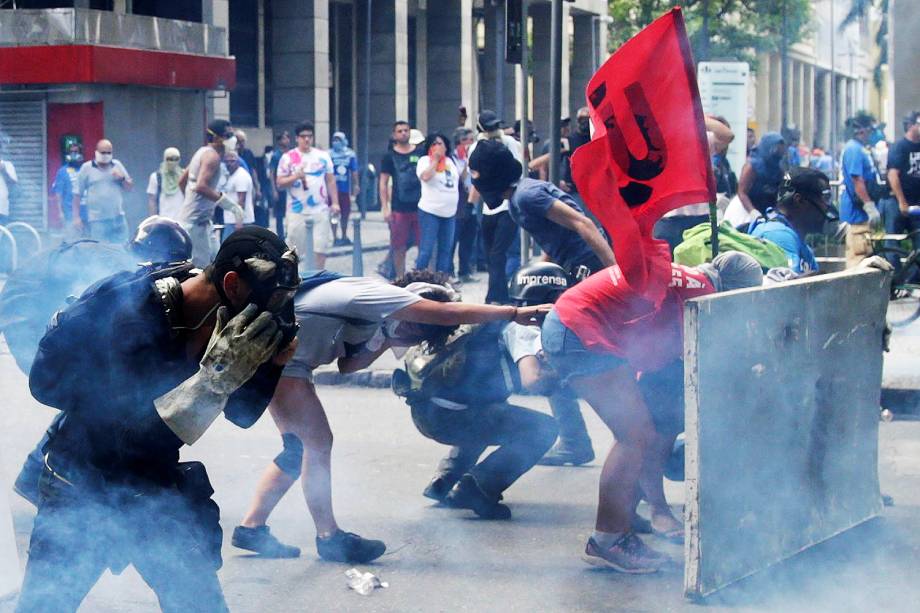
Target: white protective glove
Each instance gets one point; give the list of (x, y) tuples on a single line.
[(227, 204), (236, 350), (875, 218), (877, 262)]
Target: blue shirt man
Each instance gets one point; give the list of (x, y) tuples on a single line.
[(854, 162), (344, 162), (778, 230), (65, 185)]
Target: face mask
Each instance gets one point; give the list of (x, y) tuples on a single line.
[(74, 159), (230, 144), (172, 166), (338, 145), (584, 125), (103, 158)]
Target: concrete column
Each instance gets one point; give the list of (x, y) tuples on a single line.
[(775, 95), (903, 51), (827, 112), (217, 13), (495, 52), (541, 59), (762, 95), (421, 67), (581, 67), (449, 67), (798, 95), (389, 83), (300, 65), (808, 124)]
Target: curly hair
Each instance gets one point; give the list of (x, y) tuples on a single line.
[(433, 334)]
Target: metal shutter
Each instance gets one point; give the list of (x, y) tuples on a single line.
[(24, 132)]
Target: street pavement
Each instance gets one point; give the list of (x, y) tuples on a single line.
[(446, 560)]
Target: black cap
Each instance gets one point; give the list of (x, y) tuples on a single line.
[(496, 170), (488, 121), (161, 240)]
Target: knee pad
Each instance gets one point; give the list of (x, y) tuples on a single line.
[(290, 459)]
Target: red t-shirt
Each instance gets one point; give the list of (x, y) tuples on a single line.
[(607, 315)]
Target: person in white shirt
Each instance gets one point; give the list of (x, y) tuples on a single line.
[(240, 187), (308, 176), (164, 197), (8, 178), (437, 207)]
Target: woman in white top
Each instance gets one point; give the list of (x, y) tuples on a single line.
[(438, 204)]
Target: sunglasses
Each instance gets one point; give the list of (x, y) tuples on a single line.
[(828, 210), (172, 159)]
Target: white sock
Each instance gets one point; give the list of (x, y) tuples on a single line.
[(605, 540)]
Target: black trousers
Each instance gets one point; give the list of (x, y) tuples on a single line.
[(522, 436), (498, 232), (467, 229), (172, 539)]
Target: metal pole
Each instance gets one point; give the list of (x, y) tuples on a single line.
[(555, 89), (784, 73), (357, 253), (362, 203), (308, 247), (525, 116), (833, 91), (499, 17)]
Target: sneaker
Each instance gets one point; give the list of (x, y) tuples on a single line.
[(438, 489), (468, 495), (561, 454), (346, 241), (349, 547), (628, 555), (263, 542)]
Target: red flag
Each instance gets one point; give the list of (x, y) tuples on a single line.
[(649, 154)]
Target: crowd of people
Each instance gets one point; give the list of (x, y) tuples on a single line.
[(236, 326)]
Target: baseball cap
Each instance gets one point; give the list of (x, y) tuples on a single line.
[(488, 121)]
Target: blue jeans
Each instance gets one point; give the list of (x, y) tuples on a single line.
[(436, 232), (895, 223), (568, 356)]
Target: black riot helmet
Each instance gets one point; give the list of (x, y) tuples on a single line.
[(540, 283), (160, 240)]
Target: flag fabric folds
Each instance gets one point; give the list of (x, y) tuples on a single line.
[(649, 153)]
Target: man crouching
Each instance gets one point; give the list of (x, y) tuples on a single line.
[(143, 363)]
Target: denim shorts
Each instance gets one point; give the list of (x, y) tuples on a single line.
[(568, 356)]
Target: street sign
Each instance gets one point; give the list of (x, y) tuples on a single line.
[(724, 92)]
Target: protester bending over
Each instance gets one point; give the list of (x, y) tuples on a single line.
[(350, 321), (161, 358), (599, 337), (761, 175), (457, 384), (804, 206)]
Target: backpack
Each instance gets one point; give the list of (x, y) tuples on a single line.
[(696, 247), (83, 326)]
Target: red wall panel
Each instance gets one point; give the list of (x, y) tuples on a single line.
[(84, 120)]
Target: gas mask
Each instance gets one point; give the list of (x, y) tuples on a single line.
[(74, 159), (274, 285)]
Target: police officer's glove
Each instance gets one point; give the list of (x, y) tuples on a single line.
[(236, 350), (875, 218)]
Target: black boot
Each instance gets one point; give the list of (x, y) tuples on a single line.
[(468, 495)]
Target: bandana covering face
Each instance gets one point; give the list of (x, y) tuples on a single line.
[(170, 172)]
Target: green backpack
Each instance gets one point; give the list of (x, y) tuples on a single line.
[(697, 246)]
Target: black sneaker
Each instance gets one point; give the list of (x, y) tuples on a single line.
[(262, 541), (438, 489), (349, 547), (468, 495), (561, 454)]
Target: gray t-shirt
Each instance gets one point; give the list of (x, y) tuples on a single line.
[(102, 192), (347, 311)]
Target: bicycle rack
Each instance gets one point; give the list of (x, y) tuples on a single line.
[(14, 254), (28, 228)]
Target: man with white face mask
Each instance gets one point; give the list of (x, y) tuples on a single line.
[(164, 197), (102, 182)]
